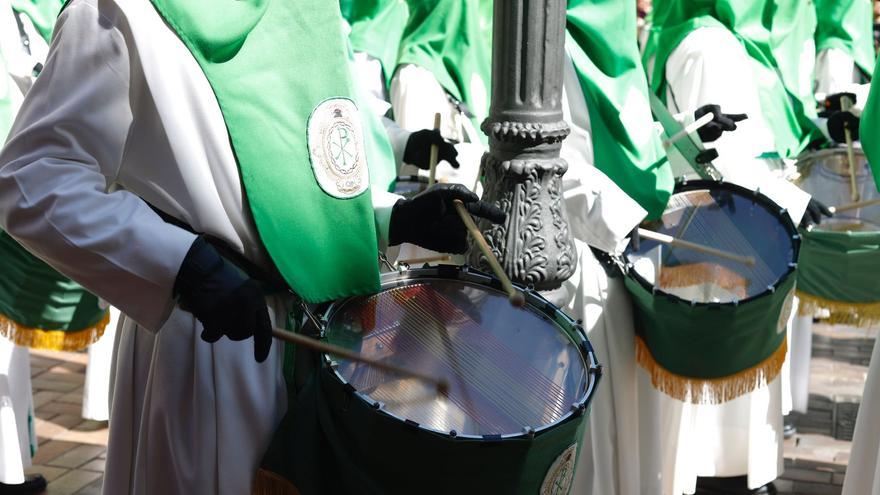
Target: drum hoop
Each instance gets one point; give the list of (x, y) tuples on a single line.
[(534, 299), (685, 185)]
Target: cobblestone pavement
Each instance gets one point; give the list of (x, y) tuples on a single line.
[(72, 451)]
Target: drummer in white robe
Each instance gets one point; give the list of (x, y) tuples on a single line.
[(707, 63), (123, 115)]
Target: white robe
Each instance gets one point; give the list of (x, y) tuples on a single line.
[(836, 72), (96, 391), (743, 436), (863, 471), (614, 457), (123, 114)]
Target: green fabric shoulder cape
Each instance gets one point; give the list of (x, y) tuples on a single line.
[(453, 40), (280, 72), (376, 28), (601, 40), (870, 128), (847, 25), (752, 23), (41, 12)]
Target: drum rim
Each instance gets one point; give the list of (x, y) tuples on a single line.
[(686, 185), (575, 331)]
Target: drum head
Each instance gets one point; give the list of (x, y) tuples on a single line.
[(410, 185), (826, 177), (725, 217), (508, 369)]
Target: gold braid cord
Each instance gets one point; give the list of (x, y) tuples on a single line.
[(53, 340), (710, 390), (842, 313), (269, 483)]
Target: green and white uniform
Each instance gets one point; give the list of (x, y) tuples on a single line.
[(844, 44), (169, 103)]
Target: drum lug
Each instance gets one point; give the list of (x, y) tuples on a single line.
[(453, 433), (529, 432), (771, 289), (597, 369), (578, 408)]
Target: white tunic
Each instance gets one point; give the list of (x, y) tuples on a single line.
[(122, 114), (863, 471)]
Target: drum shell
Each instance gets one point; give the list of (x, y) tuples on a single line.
[(397, 458)]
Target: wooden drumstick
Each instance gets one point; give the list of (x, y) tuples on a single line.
[(426, 259), (854, 206), (674, 242), (435, 154), (678, 136), (515, 296), (317, 345), (846, 105)]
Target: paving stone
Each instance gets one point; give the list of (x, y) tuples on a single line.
[(68, 357), (45, 396), (50, 450), (41, 382), (75, 397), (46, 429), (93, 489), (64, 376), (78, 456), (48, 472), (90, 425), (61, 408), (98, 437), (72, 482), (96, 465), (801, 474)]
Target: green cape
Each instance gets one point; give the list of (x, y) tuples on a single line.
[(453, 40), (376, 28), (752, 23), (870, 129), (273, 66), (41, 12), (847, 25), (600, 38)]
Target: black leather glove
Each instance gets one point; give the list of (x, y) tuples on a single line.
[(815, 211), (429, 219), (224, 299), (838, 122), (720, 122), (834, 102), (418, 149)]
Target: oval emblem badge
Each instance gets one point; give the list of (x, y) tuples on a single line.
[(336, 148)]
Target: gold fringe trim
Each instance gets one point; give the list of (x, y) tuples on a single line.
[(52, 340), (703, 273), (269, 483), (842, 313), (710, 390)]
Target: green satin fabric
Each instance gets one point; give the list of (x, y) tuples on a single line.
[(35, 296), (377, 28), (761, 27), (601, 41), (840, 266), (709, 342), (453, 40), (41, 12), (869, 130), (847, 25), (270, 64)]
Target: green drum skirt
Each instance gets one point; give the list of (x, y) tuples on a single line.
[(42, 309)]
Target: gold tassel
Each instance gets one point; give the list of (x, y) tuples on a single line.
[(710, 390), (52, 340), (269, 483), (842, 313)]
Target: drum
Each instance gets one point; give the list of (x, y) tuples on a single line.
[(410, 185), (42, 309), (840, 258), (520, 382), (708, 328)]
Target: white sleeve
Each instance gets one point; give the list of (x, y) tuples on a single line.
[(835, 71), (398, 137), (66, 146)]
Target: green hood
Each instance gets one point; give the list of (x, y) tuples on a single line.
[(376, 28), (601, 41), (847, 25), (453, 40), (41, 12)]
